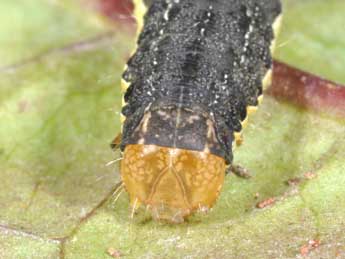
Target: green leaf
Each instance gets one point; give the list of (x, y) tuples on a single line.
[(60, 99), (312, 37), (33, 27)]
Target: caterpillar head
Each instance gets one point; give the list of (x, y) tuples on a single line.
[(169, 167), (171, 182)]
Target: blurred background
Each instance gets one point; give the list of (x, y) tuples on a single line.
[(60, 68)]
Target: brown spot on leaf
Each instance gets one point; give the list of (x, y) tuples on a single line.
[(310, 175), (266, 203), (294, 181), (114, 253), (311, 245)]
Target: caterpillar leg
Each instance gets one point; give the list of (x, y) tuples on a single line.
[(238, 171), (115, 144)]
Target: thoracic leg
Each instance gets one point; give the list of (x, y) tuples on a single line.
[(115, 144), (238, 171)]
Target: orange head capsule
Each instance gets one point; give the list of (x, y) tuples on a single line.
[(171, 182), (173, 162)]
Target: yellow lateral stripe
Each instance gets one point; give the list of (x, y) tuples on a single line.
[(260, 99), (124, 85), (251, 109), (122, 120), (139, 12), (276, 28), (266, 82)]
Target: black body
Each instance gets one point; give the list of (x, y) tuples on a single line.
[(201, 58)]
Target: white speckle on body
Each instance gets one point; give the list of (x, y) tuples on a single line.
[(242, 59), (166, 14)]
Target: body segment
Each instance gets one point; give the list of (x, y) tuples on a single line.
[(198, 71)]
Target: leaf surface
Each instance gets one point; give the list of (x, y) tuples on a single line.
[(60, 99)]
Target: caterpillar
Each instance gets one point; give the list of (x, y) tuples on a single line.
[(198, 71)]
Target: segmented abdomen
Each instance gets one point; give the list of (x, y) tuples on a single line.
[(206, 53)]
